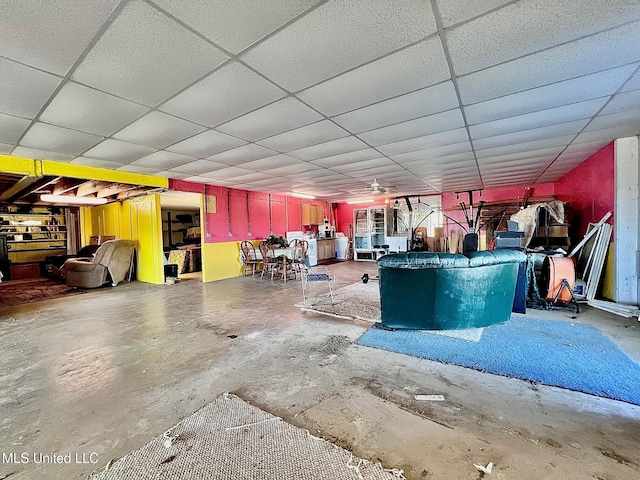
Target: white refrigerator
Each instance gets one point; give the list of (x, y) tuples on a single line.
[(312, 252)]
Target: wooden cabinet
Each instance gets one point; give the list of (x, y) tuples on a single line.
[(31, 237), (312, 214), (326, 249)]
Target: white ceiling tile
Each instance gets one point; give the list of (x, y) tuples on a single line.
[(199, 167), (174, 175), (526, 27), (456, 11), (163, 160), (304, 137), (327, 149), (206, 144), (227, 93), (27, 28), (516, 167), (558, 143), (542, 118), (252, 177), (429, 162), (310, 173), (522, 136), (589, 148), (371, 29), (11, 128), (197, 179), (368, 165), (5, 148), (436, 152), (145, 56), (24, 90), (562, 93), (410, 69), (280, 116), (378, 173), (117, 151), (428, 141), (158, 130), (349, 157), (633, 83), (547, 154), (41, 154), (427, 101), (243, 154), (439, 122), (235, 24), (606, 135), (83, 108), (623, 102), (226, 173), (301, 166), (600, 52), (623, 120), (58, 139), (94, 162), (270, 163), (138, 169)]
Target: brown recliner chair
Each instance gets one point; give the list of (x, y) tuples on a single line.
[(110, 263)]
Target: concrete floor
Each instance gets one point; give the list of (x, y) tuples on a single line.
[(107, 371)]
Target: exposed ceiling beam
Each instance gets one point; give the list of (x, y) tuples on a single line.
[(16, 191), (134, 193), (90, 187), (114, 189), (64, 185)]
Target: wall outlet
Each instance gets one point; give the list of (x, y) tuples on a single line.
[(208, 235), (230, 234)]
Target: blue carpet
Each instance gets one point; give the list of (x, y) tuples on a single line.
[(567, 355)]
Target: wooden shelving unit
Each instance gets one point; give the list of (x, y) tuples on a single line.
[(31, 237)]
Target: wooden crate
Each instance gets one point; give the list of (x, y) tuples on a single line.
[(21, 271)]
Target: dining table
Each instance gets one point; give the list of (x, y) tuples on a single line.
[(287, 253)]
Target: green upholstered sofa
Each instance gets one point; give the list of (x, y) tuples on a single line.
[(442, 291)]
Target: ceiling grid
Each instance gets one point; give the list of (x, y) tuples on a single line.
[(321, 97)]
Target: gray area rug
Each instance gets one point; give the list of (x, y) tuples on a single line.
[(231, 439), (356, 301)]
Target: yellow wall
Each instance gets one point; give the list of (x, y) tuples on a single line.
[(106, 220), (142, 221), (608, 282), (137, 219), (220, 261)]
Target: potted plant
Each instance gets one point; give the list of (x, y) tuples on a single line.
[(277, 241)]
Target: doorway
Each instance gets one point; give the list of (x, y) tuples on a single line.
[(181, 233)]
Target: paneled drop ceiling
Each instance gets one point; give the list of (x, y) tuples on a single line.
[(321, 97)]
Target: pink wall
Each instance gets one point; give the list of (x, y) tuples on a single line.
[(590, 190), (242, 212)]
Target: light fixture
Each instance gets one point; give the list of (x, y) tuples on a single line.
[(302, 195), (353, 202), (72, 200)]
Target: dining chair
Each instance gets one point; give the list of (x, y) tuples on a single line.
[(269, 262), (250, 260), (300, 255)]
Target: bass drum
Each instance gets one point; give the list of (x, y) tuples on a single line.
[(554, 270)]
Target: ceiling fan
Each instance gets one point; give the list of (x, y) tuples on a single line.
[(376, 188)]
